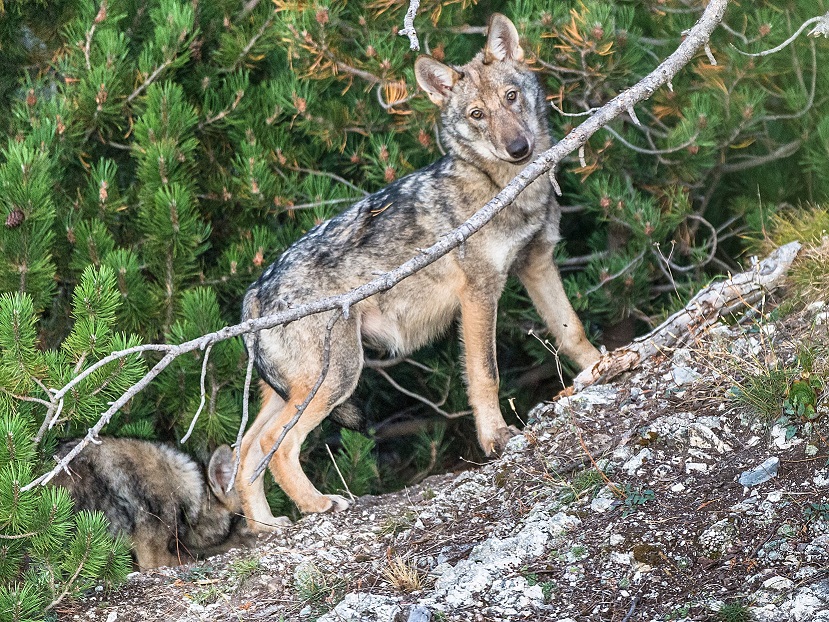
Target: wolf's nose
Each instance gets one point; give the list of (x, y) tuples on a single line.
[(518, 148)]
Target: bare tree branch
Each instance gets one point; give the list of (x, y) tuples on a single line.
[(203, 394), (665, 151), (718, 299), (243, 424), (408, 25), (821, 29), (547, 161), (433, 405)]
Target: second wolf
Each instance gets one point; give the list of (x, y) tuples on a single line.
[(171, 510), (494, 119)]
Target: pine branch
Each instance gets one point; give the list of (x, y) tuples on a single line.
[(258, 35), (150, 79), (783, 151), (645, 88)]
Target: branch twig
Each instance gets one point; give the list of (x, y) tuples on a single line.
[(203, 394), (340, 473), (824, 19), (408, 25)]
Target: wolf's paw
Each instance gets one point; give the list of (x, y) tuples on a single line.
[(338, 503), (269, 525), (499, 441)]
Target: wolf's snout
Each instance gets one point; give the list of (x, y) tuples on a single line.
[(519, 148)]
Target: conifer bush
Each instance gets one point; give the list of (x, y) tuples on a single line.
[(157, 155)]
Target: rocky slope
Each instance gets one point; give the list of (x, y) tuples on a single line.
[(656, 497)]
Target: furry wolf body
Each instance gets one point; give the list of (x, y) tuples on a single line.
[(494, 121), (158, 497)]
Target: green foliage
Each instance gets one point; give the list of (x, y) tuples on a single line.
[(357, 462), (586, 481), (816, 511), (318, 588), (246, 567), (56, 553), (765, 392), (635, 497), (785, 394), (734, 612)]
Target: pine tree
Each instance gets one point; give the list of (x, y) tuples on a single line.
[(157, 155)]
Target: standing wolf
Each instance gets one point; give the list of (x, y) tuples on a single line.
[(494, 119), (158, 497)]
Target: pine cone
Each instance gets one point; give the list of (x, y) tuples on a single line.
[(15, 218)]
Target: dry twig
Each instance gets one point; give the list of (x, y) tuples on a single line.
[(718, 299)]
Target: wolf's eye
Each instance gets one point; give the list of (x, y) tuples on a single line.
[(476, 113), (512, 95)]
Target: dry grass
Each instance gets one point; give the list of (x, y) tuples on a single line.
[(404, 575), (808, 225)]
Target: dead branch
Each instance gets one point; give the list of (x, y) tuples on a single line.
[(243, 424), (711, 303), (645, 88), (822, 28), (408, 29), (202, 392), (436, 406)]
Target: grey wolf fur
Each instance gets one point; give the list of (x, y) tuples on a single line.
[(158, 497), (494, 120)]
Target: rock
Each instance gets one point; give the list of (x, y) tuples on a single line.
[(681, 371), (778, 583), (601, 504), (717, 539), (760, 474), (780, 437), (596, 395), (419, 613), (363, 607), (636, 462)]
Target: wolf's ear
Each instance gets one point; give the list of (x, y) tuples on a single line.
[(219, 471), (435, 78), (502, 40)]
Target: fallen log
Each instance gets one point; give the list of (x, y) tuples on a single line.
[(714, 301)]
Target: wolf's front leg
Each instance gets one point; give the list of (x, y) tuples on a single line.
[(478, 311), (539, 274)]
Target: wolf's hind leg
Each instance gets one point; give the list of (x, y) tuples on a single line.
[(345, 365), (285, 465), (252, 495)]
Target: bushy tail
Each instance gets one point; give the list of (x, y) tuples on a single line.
[(349, 416)]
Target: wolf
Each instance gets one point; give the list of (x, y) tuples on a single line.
[(494, 121), (158, 497)]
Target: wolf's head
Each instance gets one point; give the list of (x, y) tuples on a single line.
[(220, 523), (492, 108)]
